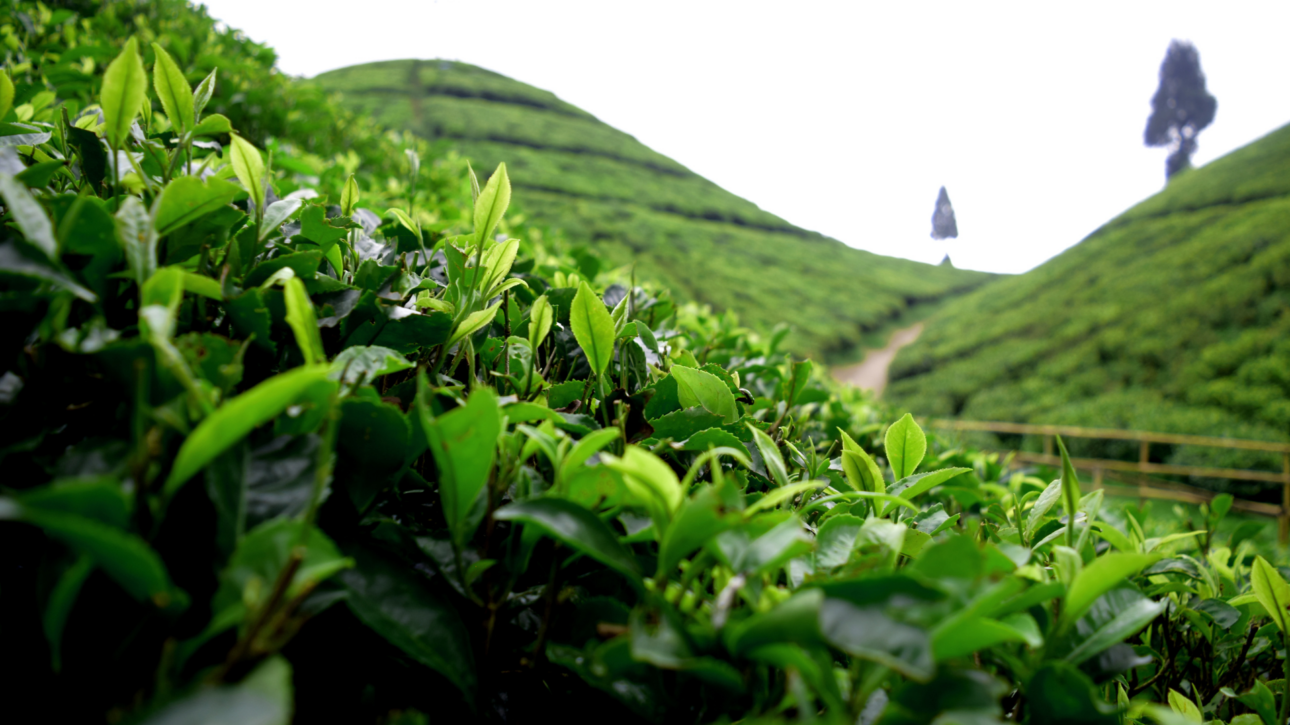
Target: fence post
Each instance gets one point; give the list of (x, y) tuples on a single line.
[(1097, 478), (1283, 521), (1144, 454), (1048, 445)]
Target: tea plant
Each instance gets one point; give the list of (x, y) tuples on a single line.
[(297, 458)]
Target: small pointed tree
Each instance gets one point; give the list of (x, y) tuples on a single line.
[(1181, 106), (943, 224)]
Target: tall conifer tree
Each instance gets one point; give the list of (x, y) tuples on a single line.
[(1181, 106), (943, 224)]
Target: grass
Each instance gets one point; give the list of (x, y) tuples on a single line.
[(1173, 317), (601, 187)]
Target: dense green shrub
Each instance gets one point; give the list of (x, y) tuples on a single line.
[(604, 189), (294, 460)]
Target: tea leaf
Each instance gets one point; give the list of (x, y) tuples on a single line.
[(592, 326), (138, 238), (859, 468), (125, 87), (237, 417), (541, 316), (1070, 492), (394, 601), (173, 90), (1099, 577), (303, 322), (277, 213), (249, 167), (769, 451), (463, 442), (6, 94), (202, 94), (1272, 592), (906, 445), (491, 204), (705, 390), (28, 215), (349, 197), (187, 199), (577, 528)]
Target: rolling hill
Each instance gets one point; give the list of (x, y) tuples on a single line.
[(601, 187), (1173, 317)]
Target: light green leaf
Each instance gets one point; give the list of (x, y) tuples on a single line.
[(349, 196), (541, 316), (125, 87), (577, 528), (303, 322), (651, 481), (920, 483), (263, 698), (362, 363), (1099, 577), (6, 94), (405, 220), (187, 199), (28, 215), (138, 239), (491, 204), (779, 495), (473, 323), (277, 213), (173, 90), (836, 539), (213, 125), (463, 442), (586, 448), (1127, 618), (236, 418), (1070, 492), (859, 467), (1272, 592), (1043, 505), (906, 445), (248, 165), (1113, 537), (202, 95), (770, 454), (592, 326), (699, 520), (1179, 703), (972, 635), (696, 388)]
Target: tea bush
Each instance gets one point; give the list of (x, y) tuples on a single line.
[(604, 189), (276, 457)]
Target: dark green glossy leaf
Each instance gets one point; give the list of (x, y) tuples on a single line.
[(577, 528), (1062, 695), (60, 603), (684, 424), (868, 633), (1115, 616), (395, 603)]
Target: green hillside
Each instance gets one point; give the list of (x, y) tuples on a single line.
[(1173, 317), (602, 187)]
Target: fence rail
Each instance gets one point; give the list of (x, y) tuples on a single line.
[(1137, 474)]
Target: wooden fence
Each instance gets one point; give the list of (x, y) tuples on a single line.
[(1138, 474)]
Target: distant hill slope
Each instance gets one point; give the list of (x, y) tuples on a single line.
[(1173, 317), (602, 187)]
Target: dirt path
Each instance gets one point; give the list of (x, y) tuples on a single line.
[(871, 373)]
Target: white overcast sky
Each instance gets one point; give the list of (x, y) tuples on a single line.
[(846, 117)]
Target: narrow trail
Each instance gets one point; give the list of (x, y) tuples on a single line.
[(871, 373)]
